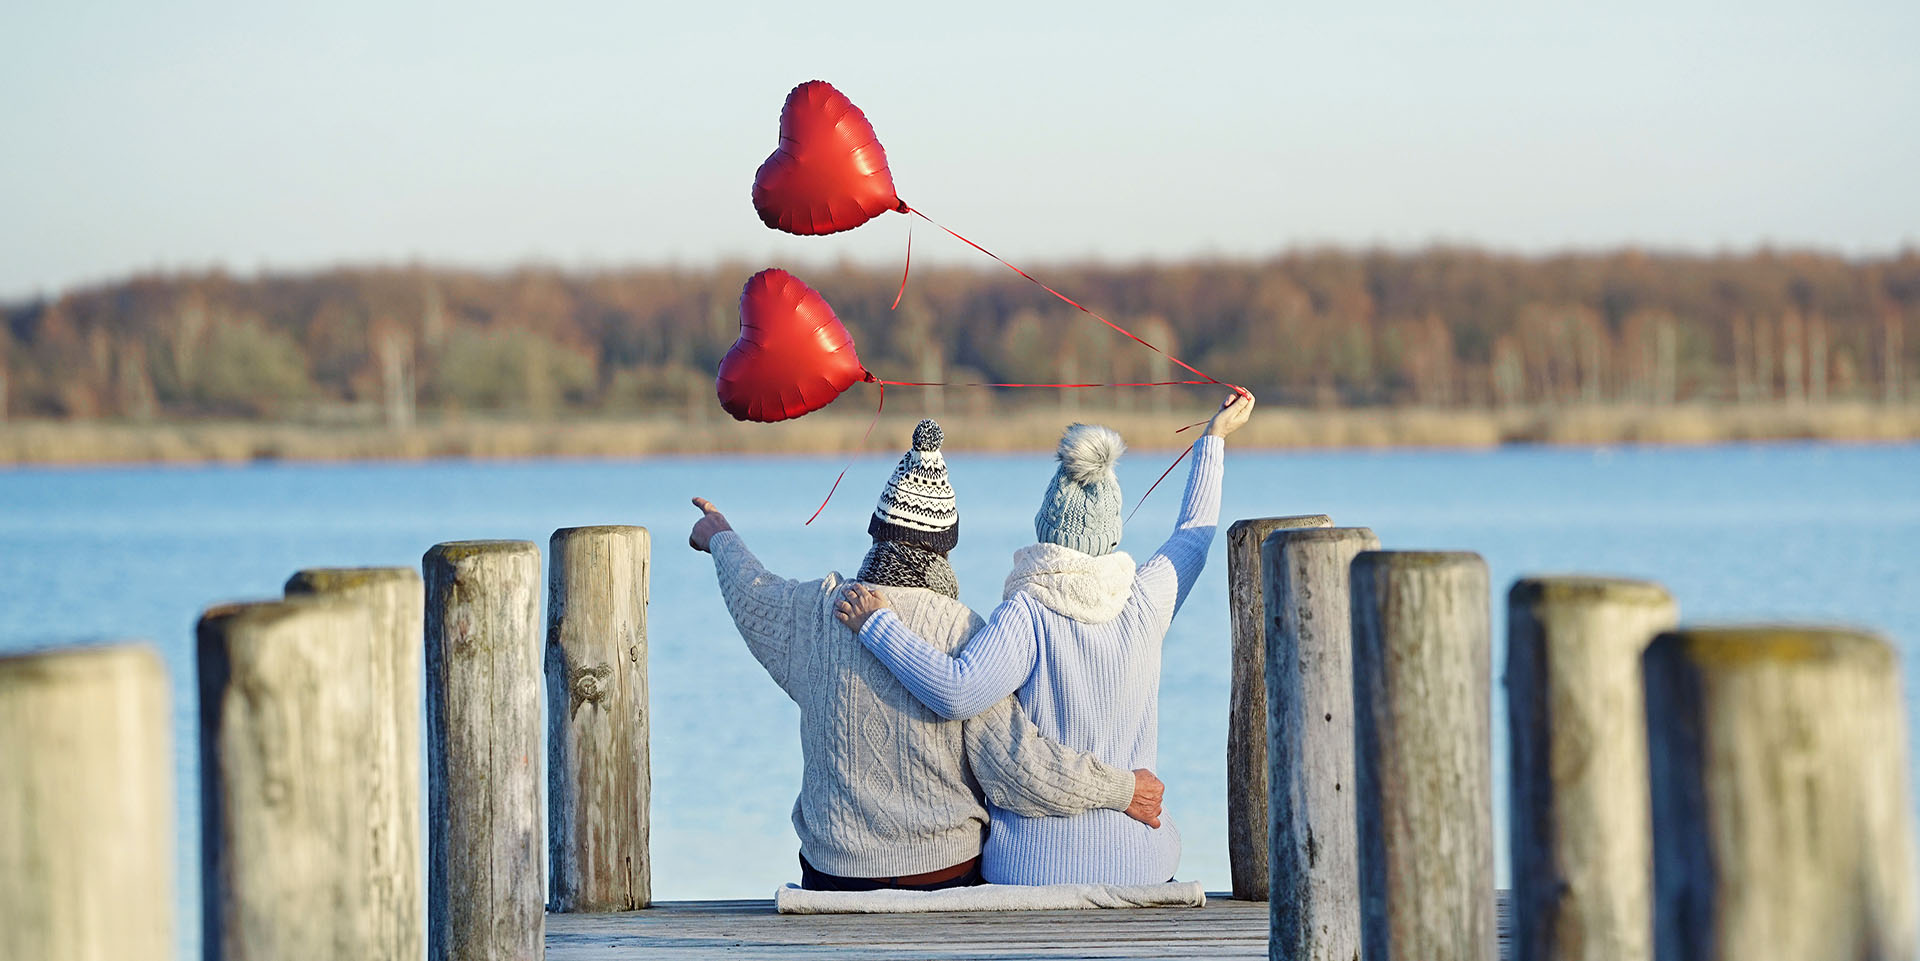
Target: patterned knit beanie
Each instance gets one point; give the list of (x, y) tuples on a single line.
[(917, 505), (1081, 509)]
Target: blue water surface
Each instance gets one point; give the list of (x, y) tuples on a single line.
[(1799, 532)]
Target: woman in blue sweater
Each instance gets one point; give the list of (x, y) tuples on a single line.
[(1077, 637)]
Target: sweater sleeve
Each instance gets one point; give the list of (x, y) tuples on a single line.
[(958, 686), (1027, 773), (762, 604), (1168, 576)]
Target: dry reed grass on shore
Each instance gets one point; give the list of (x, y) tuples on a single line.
[(54, 443)]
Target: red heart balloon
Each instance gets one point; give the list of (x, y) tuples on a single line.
[(829, 173), (793, 356)]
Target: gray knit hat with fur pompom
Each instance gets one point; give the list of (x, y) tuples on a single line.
[(917, 506), (1081, 509)]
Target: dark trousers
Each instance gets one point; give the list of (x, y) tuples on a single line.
[(814, 879)]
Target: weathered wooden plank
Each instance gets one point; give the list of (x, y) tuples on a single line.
[(1782, 821), (703, 930), (1581, 831), (596, 667), (86, 805), (1247, 701), (1315, 893), (287, 764), (486, 892), (396, 600), (1226, 928), (1423, 765)]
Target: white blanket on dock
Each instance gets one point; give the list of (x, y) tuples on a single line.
[(991, 897)]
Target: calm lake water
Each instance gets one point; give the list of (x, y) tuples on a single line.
[(1795, 532)]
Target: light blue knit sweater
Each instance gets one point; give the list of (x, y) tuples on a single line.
[(1092, 687)]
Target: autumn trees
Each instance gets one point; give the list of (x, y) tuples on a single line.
[(1443, 327)]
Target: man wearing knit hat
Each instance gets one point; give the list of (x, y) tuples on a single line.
[(891, 793), (1077, 638)]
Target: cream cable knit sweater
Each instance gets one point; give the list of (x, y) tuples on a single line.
[(889, 787)]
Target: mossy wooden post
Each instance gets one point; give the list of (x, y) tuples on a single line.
[(86, 805), (1582, 837), (597, 773), (1782, 822), (288, 761), (1247, 702), (396, 600), (486, 895), (1314, 909), (1422, 756)]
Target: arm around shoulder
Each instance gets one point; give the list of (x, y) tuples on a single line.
[(955, 686), (1024, 771)]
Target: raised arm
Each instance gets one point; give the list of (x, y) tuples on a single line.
[(1024, 771), (762, 603), (1169, 574), (954, 686)]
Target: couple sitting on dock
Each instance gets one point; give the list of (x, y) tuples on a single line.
[(1037, 726)]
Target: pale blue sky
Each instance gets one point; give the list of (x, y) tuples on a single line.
[(143, 135)]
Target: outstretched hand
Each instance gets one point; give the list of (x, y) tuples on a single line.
[(858, 603), (711, 522), (1233, 413), (1147, 794)]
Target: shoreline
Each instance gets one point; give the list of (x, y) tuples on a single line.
[(106, 443)]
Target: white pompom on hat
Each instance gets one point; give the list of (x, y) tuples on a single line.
[(1081, 509)]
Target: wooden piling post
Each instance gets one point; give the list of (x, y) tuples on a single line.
[(287, 765), (486, 894), (1423, 767), (1582, 836), (1782, 822), (1314, 909), (396, 601), (596, 666), (86, 801), (1247, 701)]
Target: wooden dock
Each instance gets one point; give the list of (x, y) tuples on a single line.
[(1379, 831), (751, 931)]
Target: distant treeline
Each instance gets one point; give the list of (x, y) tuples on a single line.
[(1441, 327)]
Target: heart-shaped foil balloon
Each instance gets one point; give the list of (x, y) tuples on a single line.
[(829, 173), (793, 356)]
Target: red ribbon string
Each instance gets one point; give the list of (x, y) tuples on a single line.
[(843, 470), (1210, 379), (941, 383), (908, 267), (1156, 483), (883, 384), (904, 267)]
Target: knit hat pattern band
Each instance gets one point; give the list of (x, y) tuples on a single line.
[(917, 506)]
